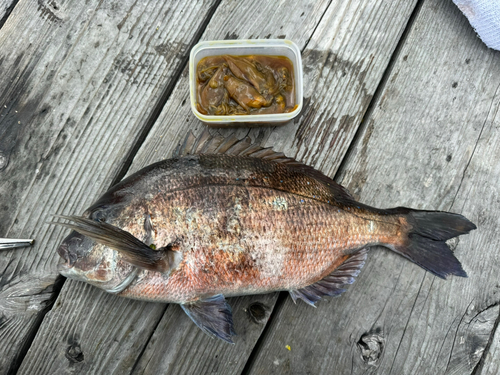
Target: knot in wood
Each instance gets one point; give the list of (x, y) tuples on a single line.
[(74, 353), (371, 346), (3, 160), (258, 313)]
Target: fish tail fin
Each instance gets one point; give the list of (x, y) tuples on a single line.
[(425, 241)]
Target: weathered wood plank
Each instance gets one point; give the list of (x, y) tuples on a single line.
[(180, 347), (230, 19), (330, 56), (374, 72), (479, 197), (78, 345), (419, 148), (72, 73)]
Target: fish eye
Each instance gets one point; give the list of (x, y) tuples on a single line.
[(99, 216)]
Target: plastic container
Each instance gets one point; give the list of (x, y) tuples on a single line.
[(268, 47)]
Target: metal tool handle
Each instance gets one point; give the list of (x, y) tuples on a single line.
[(10, 243)]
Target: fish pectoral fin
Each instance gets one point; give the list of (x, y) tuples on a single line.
[(333, 284), (213, 315), (132, 249)]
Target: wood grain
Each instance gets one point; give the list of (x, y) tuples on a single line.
[(72, 73), (179, 120), (479, 198), (489, 364), (179, 347), (73, 339), (429, 143), (343, 63)]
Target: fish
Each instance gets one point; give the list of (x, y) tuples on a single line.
[(225, 217)]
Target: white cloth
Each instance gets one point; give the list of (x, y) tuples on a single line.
[(484, 16)]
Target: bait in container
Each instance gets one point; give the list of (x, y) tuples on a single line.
[(247, 50)]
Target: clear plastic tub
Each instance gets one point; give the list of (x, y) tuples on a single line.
[(268, 47)]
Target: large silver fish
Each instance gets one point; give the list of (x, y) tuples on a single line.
[(224, 217)]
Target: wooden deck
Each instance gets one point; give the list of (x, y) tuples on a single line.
[(401, 106)]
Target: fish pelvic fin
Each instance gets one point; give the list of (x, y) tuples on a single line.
[(335, 283), (213, 316), (132, 250), (425, 241)]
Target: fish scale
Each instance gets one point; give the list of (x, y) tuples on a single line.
[(207, 232)]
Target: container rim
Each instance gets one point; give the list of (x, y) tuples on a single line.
[(242, 43)]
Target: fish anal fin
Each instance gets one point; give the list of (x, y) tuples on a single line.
[(213, 316), (335, 283)]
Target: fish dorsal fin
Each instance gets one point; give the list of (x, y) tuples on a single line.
[(213, 315), (337, 190), (208, 144), (335, 283)]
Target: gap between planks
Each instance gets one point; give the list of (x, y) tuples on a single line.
[(255, 351), (379, 90), (480, 365), (478, 369), (148, 340), (149, 124), (167, 92), (8, 11)]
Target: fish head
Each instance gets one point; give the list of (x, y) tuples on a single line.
[(113, 240), (87, 260)]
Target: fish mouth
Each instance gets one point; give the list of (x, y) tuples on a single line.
[(67, 251), (63, 267), (65, 259), (64, 264)]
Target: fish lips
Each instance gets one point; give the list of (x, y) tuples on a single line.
[(64, 261), (73, 247)]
